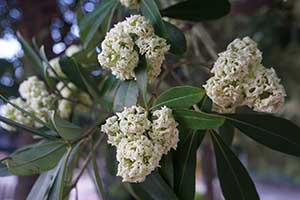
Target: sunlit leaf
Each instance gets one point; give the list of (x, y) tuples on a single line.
[(179, 97)]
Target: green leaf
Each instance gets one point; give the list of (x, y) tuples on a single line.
[(151, 12), (166, 169), (108, 89), (35, 159), (25, 128), (88, 82), (98, 179), (66, 129), (43, 184), (235, 181), (103, 10), (31, 54), (176, 39), (227, 133), (141, 74), (126, 95), (69, 67), (274, 132), (197, 120), (179, 97), (206, 104), (155, 188), (57, 191), (51, 82), (185, 163), (195, 10), (90, 18)]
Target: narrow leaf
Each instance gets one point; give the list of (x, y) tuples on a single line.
[(185, 163), (57, 191), (166, 169), (274, 132), (37, 159), (195, 10), (235, 181), (155, 187), (126, 95), (176, 38), (25, 128), (92, 30), (66, 129), (31, 54), (98, 179), (179, 97), (151, 11), (43, 184), (227, 133), (197, 120), (142, 78)]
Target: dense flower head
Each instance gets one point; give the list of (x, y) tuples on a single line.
[(34, 92), (141, 140), (32, 88), (132, 4), (240, 79), (123, 44), (10, 112)]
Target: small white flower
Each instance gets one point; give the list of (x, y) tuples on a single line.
[(64, 108), (134, 120), (139, 26), (164, 129), (140, 143), (32, 88), (84, 102), (132, 4), (137, 158), (154, 48), (240, 79), (67, 90), (10, 112), (119, 52)]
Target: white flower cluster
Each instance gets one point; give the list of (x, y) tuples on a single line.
[(10, 112), (72, 97), (119, 52), (240, 79), (141, 142), (37, 101), (35, 93), (132, 4)]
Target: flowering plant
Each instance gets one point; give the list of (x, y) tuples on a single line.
[(154, 137)]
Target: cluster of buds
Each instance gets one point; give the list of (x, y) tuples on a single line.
[(240, 79), (126, 41), (141, 141)]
